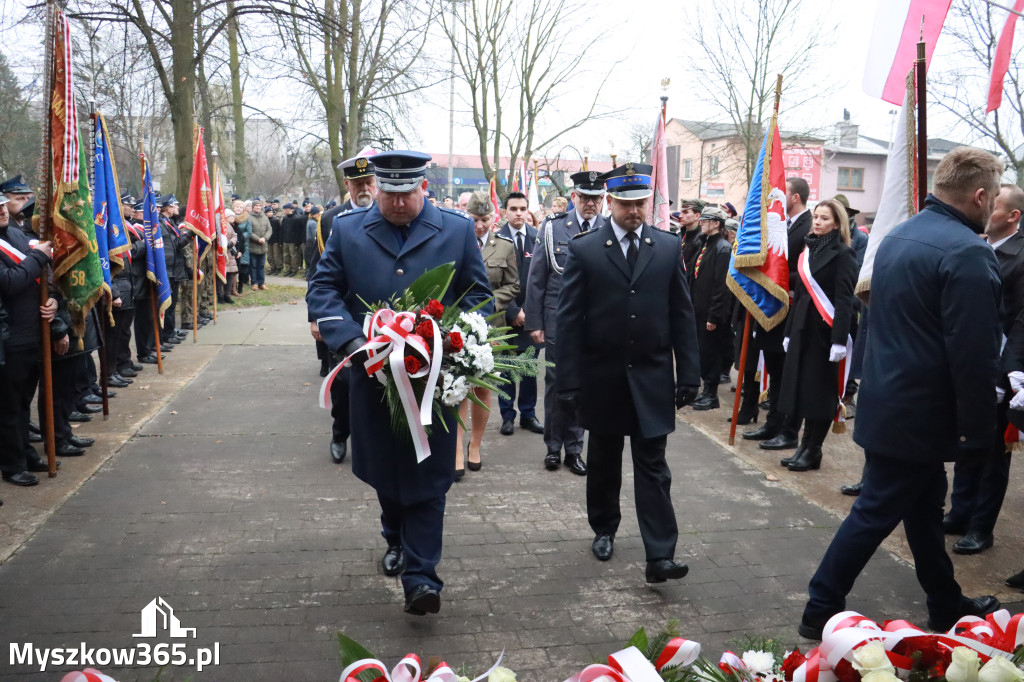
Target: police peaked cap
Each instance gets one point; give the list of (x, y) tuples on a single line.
[(587, 182), (15, 185), (630, 181), (400, 171)]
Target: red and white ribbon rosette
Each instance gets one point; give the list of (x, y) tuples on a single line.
[(390, 336), (408, 670), (628, 665), (87, 675)]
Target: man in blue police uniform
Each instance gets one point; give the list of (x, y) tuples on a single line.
[(545, 282), (625, 311), (372, 255), (362, 190), (524, 237)]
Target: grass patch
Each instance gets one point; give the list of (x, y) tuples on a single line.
[(275, 294)]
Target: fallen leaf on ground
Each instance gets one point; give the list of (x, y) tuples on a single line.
[(174, 412), (770, 477), (293, 302), (306, 384), (270, 369)]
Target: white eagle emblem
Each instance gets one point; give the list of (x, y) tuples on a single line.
[(777, 234)]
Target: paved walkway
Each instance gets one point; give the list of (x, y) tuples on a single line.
[(226, 505)]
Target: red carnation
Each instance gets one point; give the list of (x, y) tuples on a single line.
[(791, 663), (425, 329), (434, 309), (455, 341), (412, 364)]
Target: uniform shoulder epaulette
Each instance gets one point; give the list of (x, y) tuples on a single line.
[(453, 211), (584, 234), (505, 237), (353, 211), (560, 214)]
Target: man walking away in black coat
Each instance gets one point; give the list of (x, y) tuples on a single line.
[(928, 393)]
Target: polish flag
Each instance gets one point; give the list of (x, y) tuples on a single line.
[(899, 24), (657, 207), (1001, 61)]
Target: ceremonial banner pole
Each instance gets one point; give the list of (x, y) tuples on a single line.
[(922, 125), (744, 346), (152, 284), (44, 201), (104, 302), (195, 251), (216, 236)]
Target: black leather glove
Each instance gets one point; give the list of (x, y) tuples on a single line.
[(569, 402), (351, 347), (686, 395)]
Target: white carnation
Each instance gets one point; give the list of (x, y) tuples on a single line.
[(454, 391), (759, 662)]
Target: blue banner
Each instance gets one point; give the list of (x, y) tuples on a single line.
[(111, 237), (156, 266)]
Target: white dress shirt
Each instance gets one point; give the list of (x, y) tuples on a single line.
[(622, 236)]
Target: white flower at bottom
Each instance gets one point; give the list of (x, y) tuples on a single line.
[(879, 676), (998, 669), (964, 665), (454, 391), (501, 675), (759, 662), (871, 657)]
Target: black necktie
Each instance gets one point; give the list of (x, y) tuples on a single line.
[(632, 252), (519, 244), (403, 233), (586, 226)]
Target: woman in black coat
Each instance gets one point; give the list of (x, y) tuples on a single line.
[(814, 348)]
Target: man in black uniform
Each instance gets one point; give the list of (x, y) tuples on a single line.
[(362, 188), (625, 310), (689, 221), (542, 290), (20, 196)]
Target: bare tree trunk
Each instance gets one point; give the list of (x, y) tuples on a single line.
[(183, 101), (205, 106), (241, 182)]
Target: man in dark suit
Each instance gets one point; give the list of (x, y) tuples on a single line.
[(625, 311), (979, 484), (372, 255), (525, 239), (928, 393), (542, 291), (780, 431)]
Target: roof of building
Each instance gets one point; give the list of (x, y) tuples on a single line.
[(710, 130), (560, 164)]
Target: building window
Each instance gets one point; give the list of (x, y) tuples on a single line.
[(850, 178), (713, 166), (688, 169)]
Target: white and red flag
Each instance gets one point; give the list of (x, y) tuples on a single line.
[(1001, 60), (199, 211), (658, 208), (217, 216), (899, 25)]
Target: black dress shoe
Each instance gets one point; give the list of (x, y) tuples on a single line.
[(137, 368), (180, 334), (169, 341), (324, 369), (127, 373), (79, 417), (110, 393), (665, 569), (746, 416), (809, 460), (90, 409), (553, 460), (779, 442), (93, 399), (338, 452), (974, 542), (507, 427), (393, 562), (763, 433), (474, 466), (576, 465), (33, 427), (40, 466), (35, 437), (531, 424), (112, 380), (81, 441), (421, 600), (22, 478), (979, 606), (69, 450), (808, 631), (951, 526), (786, 461), (148, 359), (1016, 581), (459, 474), (853, 489), (602, 547)]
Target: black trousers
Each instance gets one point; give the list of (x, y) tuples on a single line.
[(895, 490), (788, 425), (526, 386), (652, 482), (418, 529), (117, 339), (171, 314), (19, 377), (715, 352), (815, 431), (341, 426), (560, 429), (67, 371), (979, 484), (145, 341)]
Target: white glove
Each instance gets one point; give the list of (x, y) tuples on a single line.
[(1017, 401), (1016, 381), (837, 352), (1000, 394), (785, 345)]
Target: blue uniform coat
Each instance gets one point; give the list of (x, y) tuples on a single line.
[(364, 259)]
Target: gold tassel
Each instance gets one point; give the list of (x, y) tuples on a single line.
[(763, 397), (838, 427), (757, 377)]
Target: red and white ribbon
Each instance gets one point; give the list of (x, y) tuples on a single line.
[(11, 252), (828, 312), (409, 670), (628, 665), (678, 652), (390, 335)]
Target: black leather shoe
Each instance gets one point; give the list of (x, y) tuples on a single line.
[(137, 368), (180, 334), (786, 461), (974, 542), (90, 409), (745, 416), (35, 437), (421, 600), (507, 427), (40, 466), (325, 369), (69, 450), (531, 424), (665, 569), (576, 465), (779, 442), (148, 359), (110, 394), (951, 526), (553, 460), (393, 562), (709, 403), (809, 460), (112, 380), (762, 433), (125, 379), (1016, 581), (81, 441), (79, 417), (33, 427), (602, 547), (808, 631), (22, 478), (169, 341), (853, 489), (338, 452), (979, 606), (127, 373), (93, 399)]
